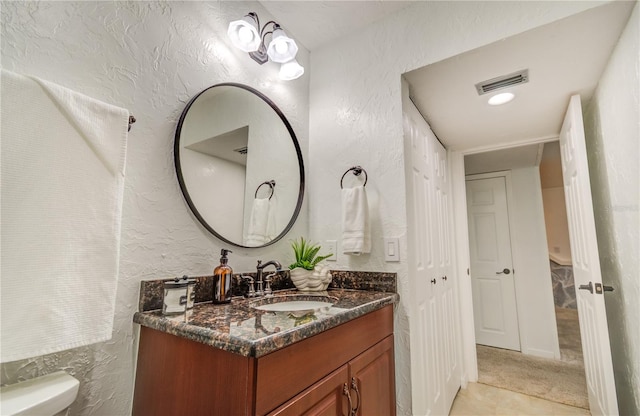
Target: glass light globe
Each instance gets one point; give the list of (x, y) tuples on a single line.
[(282, 48), (244, 34), (291, 70)]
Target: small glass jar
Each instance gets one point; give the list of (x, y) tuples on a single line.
[(191, 290), (175, 296)]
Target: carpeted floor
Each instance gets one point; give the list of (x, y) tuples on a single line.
[(555, 380), (569, 335)]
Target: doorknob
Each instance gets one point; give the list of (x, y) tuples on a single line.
[(588, 287), (505, 271), (433, 281), (444, 278)]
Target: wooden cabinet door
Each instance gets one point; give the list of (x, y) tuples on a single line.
[(324, 398), (373, 372)]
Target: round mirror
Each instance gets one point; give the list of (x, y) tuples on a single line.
[(239, 165)]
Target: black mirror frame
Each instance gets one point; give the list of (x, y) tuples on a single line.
[(183, 187)]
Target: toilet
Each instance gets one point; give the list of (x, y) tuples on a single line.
[(45, 395)]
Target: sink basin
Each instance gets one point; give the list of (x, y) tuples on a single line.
[(295, 303), (294, 306)]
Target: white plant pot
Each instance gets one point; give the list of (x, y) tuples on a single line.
[(311, 280)]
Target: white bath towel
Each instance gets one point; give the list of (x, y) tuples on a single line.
[(262, 223), (356, 238), (62, 164)]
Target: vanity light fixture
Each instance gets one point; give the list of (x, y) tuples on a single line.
[(247, 35)]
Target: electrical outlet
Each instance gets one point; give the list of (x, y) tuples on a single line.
[(332, 248)]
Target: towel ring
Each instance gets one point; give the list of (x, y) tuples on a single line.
[(357, 170), (272, 186)]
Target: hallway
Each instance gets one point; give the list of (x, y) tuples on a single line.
[(483, 400), (547, 379), (513, 383), (562, 381)]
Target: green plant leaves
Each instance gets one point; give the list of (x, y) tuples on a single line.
[(305, 254)]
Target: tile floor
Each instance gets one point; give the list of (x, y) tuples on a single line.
[(483, 400)]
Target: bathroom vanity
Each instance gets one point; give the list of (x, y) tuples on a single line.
[(239, 360)]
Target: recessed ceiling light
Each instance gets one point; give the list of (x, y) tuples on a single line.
[(501, 98)]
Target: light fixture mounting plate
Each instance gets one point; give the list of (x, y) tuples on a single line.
[(260, 56)]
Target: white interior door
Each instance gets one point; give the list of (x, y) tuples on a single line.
[(426, 367), (494, 299), (449, 329), (586, 264), (435, 360)]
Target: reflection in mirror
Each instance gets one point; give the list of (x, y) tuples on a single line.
[(231, 141)]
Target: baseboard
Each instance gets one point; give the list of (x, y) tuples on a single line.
[(539, 353), (563, 261)]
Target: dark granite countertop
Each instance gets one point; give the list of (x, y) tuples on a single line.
[(240, 328)]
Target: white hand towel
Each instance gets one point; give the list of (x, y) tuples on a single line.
[(271, 220), (262, 223), (356, 237), (62, 164)]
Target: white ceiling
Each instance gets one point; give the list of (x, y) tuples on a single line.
[(564, 58), (225, 146), (504, 159), (316, 23)]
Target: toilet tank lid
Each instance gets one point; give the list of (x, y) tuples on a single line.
[(47, 394)]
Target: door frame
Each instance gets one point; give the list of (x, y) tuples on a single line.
[(512, 238), (461, 240)]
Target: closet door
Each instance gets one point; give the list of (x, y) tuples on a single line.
[(426, 362), (433, 309), (448, 308)]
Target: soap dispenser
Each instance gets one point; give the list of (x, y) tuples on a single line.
[(222, 276)]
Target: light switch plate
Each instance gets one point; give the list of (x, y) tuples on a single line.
[(391, 249), (331, 247)]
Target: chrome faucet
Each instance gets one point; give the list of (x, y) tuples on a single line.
[(259, 268)]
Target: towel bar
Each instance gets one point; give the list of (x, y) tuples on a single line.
[(132, 120), (357, 170), (272, 185)]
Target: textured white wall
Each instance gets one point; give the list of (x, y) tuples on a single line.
[(356, 118), (612, 126), (557, 226), (149, 57)]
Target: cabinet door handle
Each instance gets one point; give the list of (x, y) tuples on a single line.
[(345, 392), (354, 386)]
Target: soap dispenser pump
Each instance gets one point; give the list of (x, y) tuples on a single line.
[(222, 276)]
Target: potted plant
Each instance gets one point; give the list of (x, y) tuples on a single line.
[(305, 272)]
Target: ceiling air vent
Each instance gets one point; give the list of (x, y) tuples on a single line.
[(241, 150), (504, 81)]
